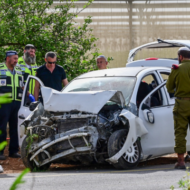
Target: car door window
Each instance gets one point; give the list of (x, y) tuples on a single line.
[(147, 84), (155, 99), (164, 77)]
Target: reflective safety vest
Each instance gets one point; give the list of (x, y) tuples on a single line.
[(10, 83), (27, 72)]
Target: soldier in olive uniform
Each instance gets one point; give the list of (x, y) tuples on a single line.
[(179, 83)]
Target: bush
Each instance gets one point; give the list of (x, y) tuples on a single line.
[(30, 22)]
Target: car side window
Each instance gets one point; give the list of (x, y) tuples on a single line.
[(165, 76), (149, 83)]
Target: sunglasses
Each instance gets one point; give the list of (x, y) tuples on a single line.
[(52, 62)]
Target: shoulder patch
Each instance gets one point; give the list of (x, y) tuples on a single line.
[(20, 62), (18, 68), (19, 72), (175, 66), (34, 67), (22, 65)]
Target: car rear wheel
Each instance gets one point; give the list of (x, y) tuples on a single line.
[(26, 159), (131, 157)]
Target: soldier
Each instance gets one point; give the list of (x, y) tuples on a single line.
[(28, 64), (11, 81), (179, 82)]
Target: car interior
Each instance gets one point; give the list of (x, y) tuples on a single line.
[(148, 83)]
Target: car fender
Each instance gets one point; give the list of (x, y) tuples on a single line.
[(136, 129)]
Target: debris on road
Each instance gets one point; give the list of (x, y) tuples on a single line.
[(1, 169)]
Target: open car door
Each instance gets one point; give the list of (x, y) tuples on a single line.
[(157, 116), (24, 111)]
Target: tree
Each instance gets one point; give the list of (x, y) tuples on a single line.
[(31, 22)]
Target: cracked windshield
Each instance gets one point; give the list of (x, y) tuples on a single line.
[(123, 84)]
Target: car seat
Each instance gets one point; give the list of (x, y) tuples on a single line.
[(143, 91), (156, 95)]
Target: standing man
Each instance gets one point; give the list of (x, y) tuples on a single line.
[(11, 81), (28, 64), (101, 62), (51, 74), (179, 82)]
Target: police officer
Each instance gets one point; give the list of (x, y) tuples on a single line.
[(179, 82), (11, 81), (28, 64)]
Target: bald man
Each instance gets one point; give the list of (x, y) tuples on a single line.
[(101, 62)]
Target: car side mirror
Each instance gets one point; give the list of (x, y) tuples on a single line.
[(149, 116), (145, 106), (33, 105)]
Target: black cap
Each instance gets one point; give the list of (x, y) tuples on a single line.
[(9, 53), (28, 46)]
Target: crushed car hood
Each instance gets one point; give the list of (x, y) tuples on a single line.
[(88, 101)]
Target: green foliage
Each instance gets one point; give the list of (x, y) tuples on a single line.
[(5, 98), (30, 22), (30, 139), (19, 179), (3, 145), (184, 182)]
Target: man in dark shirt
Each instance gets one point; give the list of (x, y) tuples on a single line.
[(50, 74)]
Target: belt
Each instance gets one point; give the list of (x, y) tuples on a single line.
[(183, 98)]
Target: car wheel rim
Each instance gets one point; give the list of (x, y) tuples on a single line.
[(132, 154)]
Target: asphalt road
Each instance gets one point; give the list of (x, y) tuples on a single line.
[(159, 177)]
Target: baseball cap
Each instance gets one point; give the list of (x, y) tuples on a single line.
[(9, 53), (28, 46)]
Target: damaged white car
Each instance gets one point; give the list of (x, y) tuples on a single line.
[(119, 116)]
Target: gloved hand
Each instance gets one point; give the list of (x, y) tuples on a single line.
[(31, 97), (5, 99)]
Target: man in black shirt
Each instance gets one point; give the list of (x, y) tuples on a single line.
[(50, 74)]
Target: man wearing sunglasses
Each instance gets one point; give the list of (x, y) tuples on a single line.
[(51, 74)]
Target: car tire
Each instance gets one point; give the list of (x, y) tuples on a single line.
[(131, 158), (26, 160)]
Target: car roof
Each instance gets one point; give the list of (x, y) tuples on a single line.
[(124, 71)]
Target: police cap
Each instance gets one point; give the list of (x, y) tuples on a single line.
[(10, 52), (28, 46)]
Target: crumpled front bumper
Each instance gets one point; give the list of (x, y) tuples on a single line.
[(83, 133)]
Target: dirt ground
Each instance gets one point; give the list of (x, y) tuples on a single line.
[(15, 165)]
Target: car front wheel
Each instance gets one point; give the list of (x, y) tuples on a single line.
[(31, 164), (131, 157)]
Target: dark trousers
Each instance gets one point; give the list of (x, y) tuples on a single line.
[(9, 113)]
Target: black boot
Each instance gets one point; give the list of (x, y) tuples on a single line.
[(2, 157), (15, 155)]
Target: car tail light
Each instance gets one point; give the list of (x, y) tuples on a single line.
[(151, 58)]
